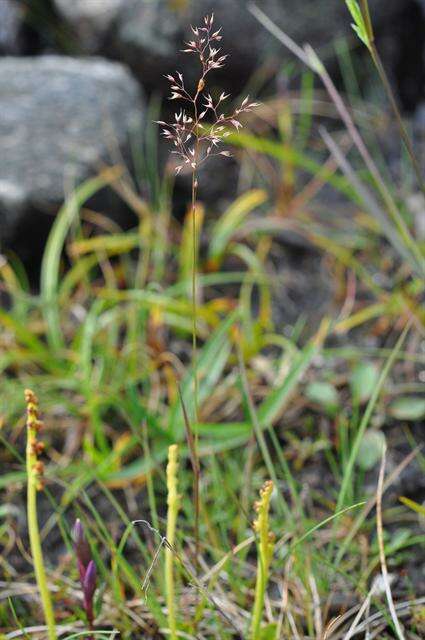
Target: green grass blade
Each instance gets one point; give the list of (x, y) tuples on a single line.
[(50, 265), (275, 403), (348, 471)]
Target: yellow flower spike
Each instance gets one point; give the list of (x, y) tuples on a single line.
[(35, 482), (173, 501), (266, 541)]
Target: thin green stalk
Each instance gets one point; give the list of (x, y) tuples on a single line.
[(367, 20), (173, 508), (390, 93), (149, 479), (265, 553), (194, 306), (34, 483), (196, 468), (258, 431), (402, 128), (196, 477)]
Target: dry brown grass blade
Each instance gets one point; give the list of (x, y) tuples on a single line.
[(380, 534), (364, 607), (372, 502)]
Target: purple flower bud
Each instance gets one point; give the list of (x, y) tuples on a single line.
[(89, 583), (81, 547)]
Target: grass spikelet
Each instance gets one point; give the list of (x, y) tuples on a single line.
[(265, 553), (35, 483), (173, 508)]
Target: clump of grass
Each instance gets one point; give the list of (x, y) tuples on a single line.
[(362, 25), (35, 482)]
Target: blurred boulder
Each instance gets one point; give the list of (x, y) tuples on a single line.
[(60, 118), (91, 20), (147, 35), (11, 25)]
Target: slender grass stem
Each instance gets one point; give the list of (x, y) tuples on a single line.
[(390, 93), (402, 127), (348, 471), (367, 20), (196, 477)]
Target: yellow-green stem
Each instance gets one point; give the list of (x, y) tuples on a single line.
[(367, 20), (33, 482), (173, 507)]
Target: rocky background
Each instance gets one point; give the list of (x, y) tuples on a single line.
[(76, 76)]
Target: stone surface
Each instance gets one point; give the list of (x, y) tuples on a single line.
[(11, 23), (146, 34), (90, 19), (60, 118)]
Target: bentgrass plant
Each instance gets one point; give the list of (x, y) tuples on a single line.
[(196, 134)]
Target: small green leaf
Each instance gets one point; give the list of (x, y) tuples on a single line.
[(323, 393), (370, 450), (359, 25), (408, 408), (364, 379), (276, 401)]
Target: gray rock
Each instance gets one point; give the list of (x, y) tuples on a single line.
[(147, 34), (60, 117), (11, 21), (90, 19)]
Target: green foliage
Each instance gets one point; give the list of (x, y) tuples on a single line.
[(411, 408), (370, 449), (324, 394), (106, 343), (363, 381), (359, 25)]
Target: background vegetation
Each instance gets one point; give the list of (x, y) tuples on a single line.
[(326, 407)]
